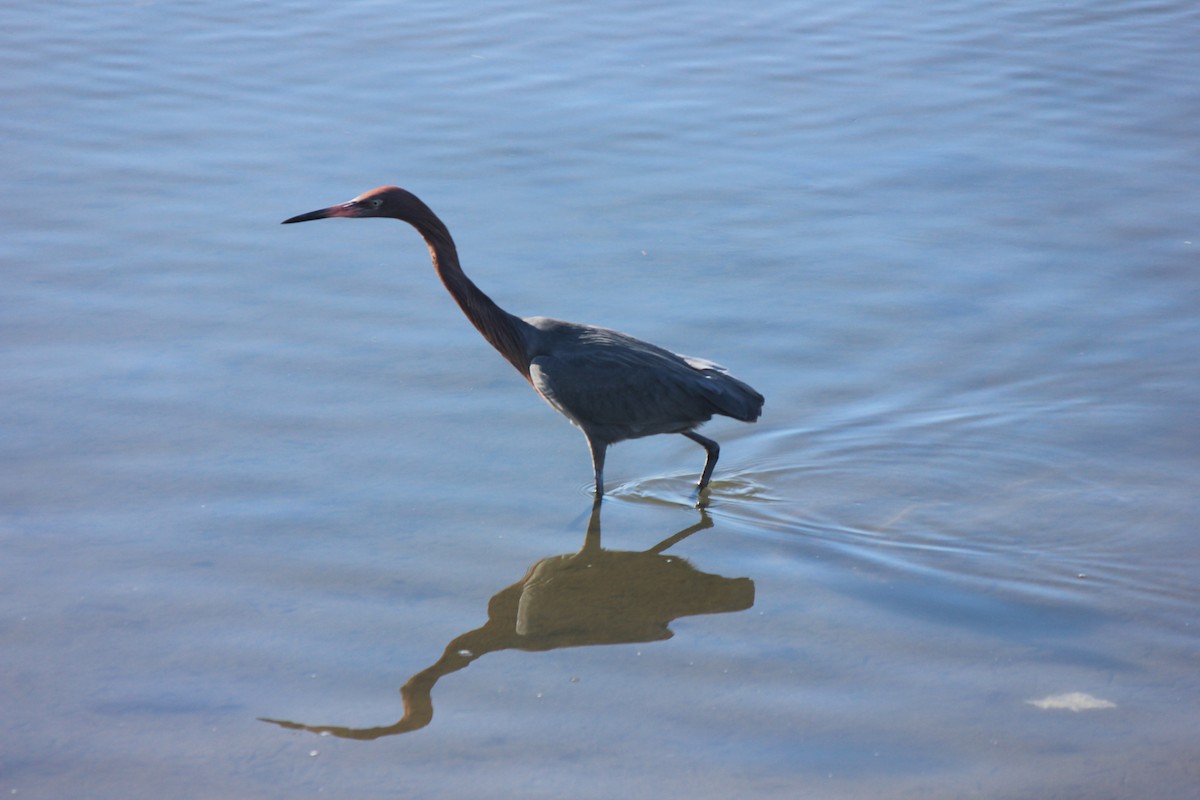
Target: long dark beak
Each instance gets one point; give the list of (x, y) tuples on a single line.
[(344, 210)]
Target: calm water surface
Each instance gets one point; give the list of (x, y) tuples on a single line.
[(255, 473)]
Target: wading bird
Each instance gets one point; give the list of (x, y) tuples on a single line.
[(608, 384)]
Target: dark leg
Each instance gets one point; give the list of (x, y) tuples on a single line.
[(713, 449), (598, 451)]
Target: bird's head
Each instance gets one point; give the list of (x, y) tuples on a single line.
[(386, 201)]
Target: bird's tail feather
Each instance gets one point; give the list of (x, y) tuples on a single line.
[(733, 398)]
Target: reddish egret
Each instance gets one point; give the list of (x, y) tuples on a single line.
[(609, 385)]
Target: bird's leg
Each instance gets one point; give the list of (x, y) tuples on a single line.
[(713, 449), (598, 451)]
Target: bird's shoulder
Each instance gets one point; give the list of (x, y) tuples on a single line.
[(572, 343)]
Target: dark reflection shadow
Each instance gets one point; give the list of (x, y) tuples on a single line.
[(595, 596)]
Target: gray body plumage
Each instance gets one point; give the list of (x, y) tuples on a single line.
[(615, 387)]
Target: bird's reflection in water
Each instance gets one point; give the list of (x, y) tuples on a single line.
[(595, 596)]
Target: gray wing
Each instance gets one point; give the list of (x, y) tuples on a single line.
[(616, 387)]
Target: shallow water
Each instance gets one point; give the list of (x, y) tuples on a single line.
[(254, 472)]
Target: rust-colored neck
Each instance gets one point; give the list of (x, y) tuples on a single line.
[(502, 330)]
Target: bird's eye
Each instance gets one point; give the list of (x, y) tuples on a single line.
[(376, 202)]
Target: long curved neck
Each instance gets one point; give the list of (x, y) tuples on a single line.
[(502, 330)]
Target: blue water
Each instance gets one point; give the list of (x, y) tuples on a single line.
[(259, 472)]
